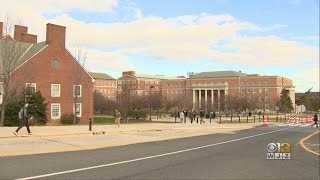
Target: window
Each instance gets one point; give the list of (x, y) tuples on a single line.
[(55, 64), (260, 83), (248, 90), (31, 88), (248, 83), (112, 90), (266, 90), (260, 98), (242, 90), (55, 90), (266, 98), (254, 90), (260, 90), (119, 82), (267, 83), (147, 93), (254, 83), (55, 111), (242, 83), (78, 109), (266, 106), (77, 90)]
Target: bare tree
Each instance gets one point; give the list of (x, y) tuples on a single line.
[(11, 52), (78, 76)]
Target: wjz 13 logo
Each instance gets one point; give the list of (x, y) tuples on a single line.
[(279, 151)]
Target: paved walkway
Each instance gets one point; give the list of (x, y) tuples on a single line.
[(47, 139)]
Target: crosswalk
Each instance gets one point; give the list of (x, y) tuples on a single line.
[(292, 125)]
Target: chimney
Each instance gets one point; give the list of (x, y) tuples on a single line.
[(29, 38), (18, 31), (1, 30), (129, 73), (56, 35)]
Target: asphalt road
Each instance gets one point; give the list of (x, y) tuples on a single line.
[(218, 156)]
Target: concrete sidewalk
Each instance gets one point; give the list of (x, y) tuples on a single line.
[(46, 139), (50, 131)]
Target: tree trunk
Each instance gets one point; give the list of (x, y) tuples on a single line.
[(2, 116)]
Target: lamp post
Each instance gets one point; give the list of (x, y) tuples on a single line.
[(151, 87)]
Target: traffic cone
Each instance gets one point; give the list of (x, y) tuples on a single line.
[(265, 121), (303, 120)]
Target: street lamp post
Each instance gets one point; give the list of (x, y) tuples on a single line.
[(151, 87)]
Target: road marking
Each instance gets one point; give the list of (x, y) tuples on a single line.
[(149, 157), (304, 146)]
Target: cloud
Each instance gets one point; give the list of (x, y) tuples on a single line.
[(307, 79), (182, 38), (317, 38), (111, 61), (269, 50)]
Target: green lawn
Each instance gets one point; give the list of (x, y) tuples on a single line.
[(104, 120)]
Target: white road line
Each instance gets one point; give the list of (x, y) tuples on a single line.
[(149, 157)]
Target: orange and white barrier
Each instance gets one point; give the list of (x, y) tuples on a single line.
[(265, 121), (303, 120)]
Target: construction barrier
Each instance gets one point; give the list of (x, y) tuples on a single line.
[(265, 121), (303, 120)]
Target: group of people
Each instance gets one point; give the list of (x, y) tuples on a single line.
[(193, 115), (23, 116)]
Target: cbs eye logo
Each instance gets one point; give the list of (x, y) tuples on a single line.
[(278, 151), (279, 148)]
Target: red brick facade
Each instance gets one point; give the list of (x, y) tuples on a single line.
[(50, 66)]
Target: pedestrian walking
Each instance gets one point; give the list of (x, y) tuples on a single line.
[(118, 117), (185, 115), (201, 116), (23, 116), (194, 114), (315, 119), (181, 116)]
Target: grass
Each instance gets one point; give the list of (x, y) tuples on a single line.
[(104, 120)]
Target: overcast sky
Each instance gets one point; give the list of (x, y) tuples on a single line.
[(173, 37)]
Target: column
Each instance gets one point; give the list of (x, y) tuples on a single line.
[(194, 98), (199, 98), (212, 94), (205, 99), (219, 99)]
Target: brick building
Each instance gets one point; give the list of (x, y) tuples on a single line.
[(207, 90), (50, 68), (140, 84), (105, 84)]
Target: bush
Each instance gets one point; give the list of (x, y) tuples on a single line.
[(11, 114), (68, 119), (138, 113)]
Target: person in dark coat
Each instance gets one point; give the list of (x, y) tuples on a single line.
[(23, 120), (315, 119), (201, 116)]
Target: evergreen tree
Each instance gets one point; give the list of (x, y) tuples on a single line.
[(285, 102), (36, 110)]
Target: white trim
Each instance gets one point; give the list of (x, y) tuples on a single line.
[(30, 57), (74, 94), (52, 90), (55, 117), (80, 113)]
